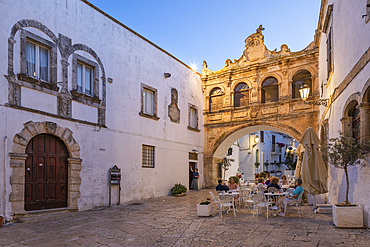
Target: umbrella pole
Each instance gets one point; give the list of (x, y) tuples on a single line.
[(314, 202)]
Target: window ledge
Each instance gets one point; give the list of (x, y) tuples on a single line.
[(78, 95), (193, 129), (37, 82), (148, 116)]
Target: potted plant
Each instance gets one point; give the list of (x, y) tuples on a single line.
[(344, 152), (225, 164), (178, 189), (257, 164), (204, 208)]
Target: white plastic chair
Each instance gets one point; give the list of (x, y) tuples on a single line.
[(292, 202), (227, 201), (245, 197), (260, 201), (215, 199), (272, 198)]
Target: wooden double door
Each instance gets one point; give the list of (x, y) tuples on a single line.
[(46, 173)]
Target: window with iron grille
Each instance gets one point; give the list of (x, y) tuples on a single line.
[(148, 156)]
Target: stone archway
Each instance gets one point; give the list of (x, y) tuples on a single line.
[(215, 149), (18, 157)]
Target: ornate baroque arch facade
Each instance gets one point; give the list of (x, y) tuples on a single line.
[(18, 158), (256, 64)]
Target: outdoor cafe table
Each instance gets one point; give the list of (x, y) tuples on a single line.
[(277, 194)]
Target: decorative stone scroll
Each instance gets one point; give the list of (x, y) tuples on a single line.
[(173, 109)]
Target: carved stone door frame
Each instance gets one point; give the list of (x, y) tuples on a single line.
[(18, 158)]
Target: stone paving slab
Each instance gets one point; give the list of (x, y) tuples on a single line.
[(172, 221)]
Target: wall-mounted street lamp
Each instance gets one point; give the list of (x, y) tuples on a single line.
[(256, 139), (304, 91)]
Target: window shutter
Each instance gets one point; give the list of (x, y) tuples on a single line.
[(262, 95)]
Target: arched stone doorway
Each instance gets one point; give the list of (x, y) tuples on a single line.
[(46, 173), (18, 158)]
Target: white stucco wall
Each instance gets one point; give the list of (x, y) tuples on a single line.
[(129, 60), (247, 153), (350, 40), (234, 161)]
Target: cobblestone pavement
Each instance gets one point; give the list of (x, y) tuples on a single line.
[(173, 221)]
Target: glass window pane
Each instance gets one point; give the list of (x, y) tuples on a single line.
[(148, 102), (31, 59), (43, 63), (79, 77), (88, 81)]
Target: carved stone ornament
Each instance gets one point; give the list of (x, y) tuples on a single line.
[(51, 127), (174, 113), (205, 70), (253, 113), (174, 95), (254, 47)]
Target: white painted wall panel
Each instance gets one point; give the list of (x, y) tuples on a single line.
[(38, 100)]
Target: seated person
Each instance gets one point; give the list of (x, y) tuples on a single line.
[(274, 183), (284, 181), (259, 186), (268, 181), (284, 200), (221, 186), (232, 184), (256, 177)]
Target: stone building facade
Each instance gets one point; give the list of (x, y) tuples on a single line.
[(344, 76), (258, 91), (81, 93)]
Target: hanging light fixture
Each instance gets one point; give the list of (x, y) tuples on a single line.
[(304, 92), (256, 139)]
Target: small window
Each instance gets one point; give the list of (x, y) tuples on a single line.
[(193, 118), (38, 61), (273, 143), (148, 102), (230, 151), (85, 75), (355, 114), (329, 53), (299, 79), (270, 90), (147, 156), (241, 95), (216, 100), (262, 134)]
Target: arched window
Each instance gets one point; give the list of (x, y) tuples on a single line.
[(270, 90), (354, 113), (351, 121), (216, 99), (241, 95), (299, 79)]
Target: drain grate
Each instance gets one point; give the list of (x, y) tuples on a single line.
[(136, 203)]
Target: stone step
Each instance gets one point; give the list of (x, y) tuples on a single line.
[(324, 208), (38, 215)]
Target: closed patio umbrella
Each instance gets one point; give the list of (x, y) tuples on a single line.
[(298, 168), (314, 173)]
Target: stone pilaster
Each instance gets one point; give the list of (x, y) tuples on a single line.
[(365, 120), (17, 181), (212, 166), (74, 181)]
